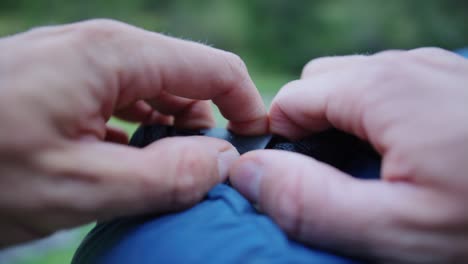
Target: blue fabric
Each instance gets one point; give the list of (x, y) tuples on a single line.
[(224, 228)]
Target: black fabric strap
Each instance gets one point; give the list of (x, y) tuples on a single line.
[(342, 151)]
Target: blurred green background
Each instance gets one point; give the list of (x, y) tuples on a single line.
[(275, 38)]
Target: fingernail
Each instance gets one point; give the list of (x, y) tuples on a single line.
[(246, 178), (225, 161)]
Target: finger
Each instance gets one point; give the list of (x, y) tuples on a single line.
[(188, 113), (143, 113), (142, 64), (299, 109), (101, 180), (321, 206), (196, 116), (116, 135), (329, 98)]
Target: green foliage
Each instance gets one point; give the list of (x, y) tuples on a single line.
[(273, 35)]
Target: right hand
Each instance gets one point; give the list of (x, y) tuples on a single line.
[(412, 106)]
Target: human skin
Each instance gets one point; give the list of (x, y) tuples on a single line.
[(61, 165), (412, 106)]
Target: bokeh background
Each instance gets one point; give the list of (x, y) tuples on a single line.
[(275, 38)]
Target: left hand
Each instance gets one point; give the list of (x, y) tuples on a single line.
[(58, 87)]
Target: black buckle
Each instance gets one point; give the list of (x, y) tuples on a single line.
[(336, 148), (145, 135)]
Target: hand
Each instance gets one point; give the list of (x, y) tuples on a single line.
[(412, 106), (59, 86)]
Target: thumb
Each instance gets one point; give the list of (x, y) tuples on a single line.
[(112, 180), (316, 203)]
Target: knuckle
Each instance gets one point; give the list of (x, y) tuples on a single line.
[(185, 191), (41, 30), (236, 63), (238, 72), (324, 64), (434, 57), (186, 187), (399, 166), (289, 205), (429, 51), (315, 64), (98, 29), (389, 72), (385, 68), (388, 53), (388, 58)]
